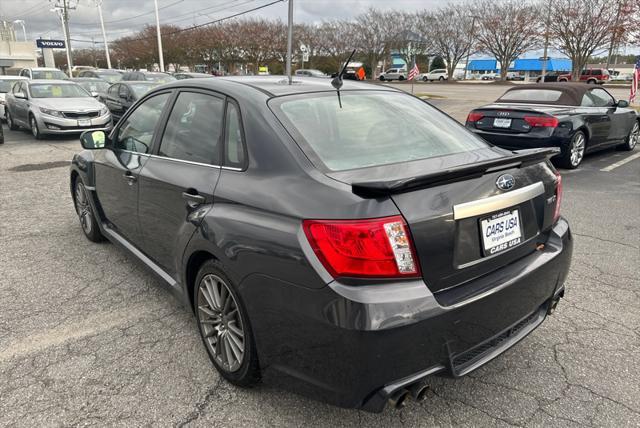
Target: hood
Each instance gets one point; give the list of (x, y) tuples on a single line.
[(68, 104)]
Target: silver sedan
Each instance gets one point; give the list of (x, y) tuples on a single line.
[(54, 107)]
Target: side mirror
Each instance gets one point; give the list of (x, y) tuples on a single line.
[(92, 140), (95, 94), (20, 95), (622, 104)]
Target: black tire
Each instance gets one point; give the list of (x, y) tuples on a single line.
[(12, 125), (591, 82), (563, 80), (570, 157), (247, 373), (441, 78), (33, 125), (381, 78), (632, 139), (87, 217), (401, 78), (424, 79)]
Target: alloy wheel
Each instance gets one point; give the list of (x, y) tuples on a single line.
[(577, 149), (634, 137), (221, 323), (34, 127), (83, 208)]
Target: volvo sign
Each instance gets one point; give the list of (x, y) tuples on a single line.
[(50, 44)]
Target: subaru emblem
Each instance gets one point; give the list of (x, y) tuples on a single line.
[(505, 182)]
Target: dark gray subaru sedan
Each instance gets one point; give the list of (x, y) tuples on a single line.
[(344, 245)]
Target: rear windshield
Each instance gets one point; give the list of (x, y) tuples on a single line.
[(49, 75), (535, 95), (57, 91), (140, 88), (159, 77), (94, 85), (108, 76), (372, 128)]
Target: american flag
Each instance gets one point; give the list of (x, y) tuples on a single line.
[(634, 81), (413, 72)]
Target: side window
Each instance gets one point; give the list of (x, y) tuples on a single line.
[(113, 90), (601, 98), (123, 92), (136, 132), (587, 101), (234, 143), (193, 129)]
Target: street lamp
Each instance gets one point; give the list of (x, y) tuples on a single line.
[(160, 57), (104, 34), (24, 31)]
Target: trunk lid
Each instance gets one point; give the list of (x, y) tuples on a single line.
[(509, 118), (446, 200)]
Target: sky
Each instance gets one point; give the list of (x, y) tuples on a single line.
[(125, 17)]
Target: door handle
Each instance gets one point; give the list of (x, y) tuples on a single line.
[(130, 177), (193, 198)]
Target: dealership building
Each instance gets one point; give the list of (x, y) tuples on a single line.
[(14, 54), (529, 68)]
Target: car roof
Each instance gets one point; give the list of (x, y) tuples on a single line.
[(42, 69), (51, 81), (136, 82), (86, 79), (5, 77), (273, 86), (572, 93)]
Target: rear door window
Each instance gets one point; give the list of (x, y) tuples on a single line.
[(372, 128), (194, 129)]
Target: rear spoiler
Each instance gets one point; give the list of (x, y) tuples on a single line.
[(519, 159)]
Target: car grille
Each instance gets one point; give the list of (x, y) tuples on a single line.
[(462, 362), (80, 115)]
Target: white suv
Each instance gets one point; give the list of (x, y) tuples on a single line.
[(438, 74), (394, 74)]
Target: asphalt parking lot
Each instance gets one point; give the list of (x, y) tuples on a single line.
[(89, 337)]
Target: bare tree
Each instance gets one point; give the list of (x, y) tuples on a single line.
[(374, 31), (450, 31), (507, 29), (335, 40), (581, 28), (408, 41)]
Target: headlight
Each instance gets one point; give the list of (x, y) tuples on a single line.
[(51, 112), (104, 111)]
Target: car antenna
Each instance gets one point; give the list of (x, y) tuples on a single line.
[(336, 82)]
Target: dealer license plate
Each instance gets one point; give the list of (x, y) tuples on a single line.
[(500, 232), (501, 123), (84, 122)]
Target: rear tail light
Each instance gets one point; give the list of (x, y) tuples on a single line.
[(379, 247), (474, 116), (541, 121), (556, 211)]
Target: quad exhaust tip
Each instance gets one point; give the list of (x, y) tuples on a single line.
[(418, 391), (399, 398)]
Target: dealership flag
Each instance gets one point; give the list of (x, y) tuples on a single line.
[(634, 81)]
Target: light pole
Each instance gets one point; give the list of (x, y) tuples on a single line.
[(24, 31), (290, 42), (104, 34), (466, 64), (161, 58)]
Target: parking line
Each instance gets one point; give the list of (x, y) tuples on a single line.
[(620, 163)]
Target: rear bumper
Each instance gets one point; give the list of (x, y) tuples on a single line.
[(522, 141), (356, 346)]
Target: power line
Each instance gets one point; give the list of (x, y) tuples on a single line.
[(182, 30)]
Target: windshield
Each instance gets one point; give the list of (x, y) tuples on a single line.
[(159, 77), (57, 91), (140, 88), (534, 95), (6, 85), (94, 86), (372, 128), (109, 77), (49, 75)]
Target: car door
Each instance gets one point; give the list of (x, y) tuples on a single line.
[(597, 118), (177, 184), (117, 170), (20, 105), (618, 118)]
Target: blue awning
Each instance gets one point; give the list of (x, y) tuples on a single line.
[(482, 65), (534, 64)]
